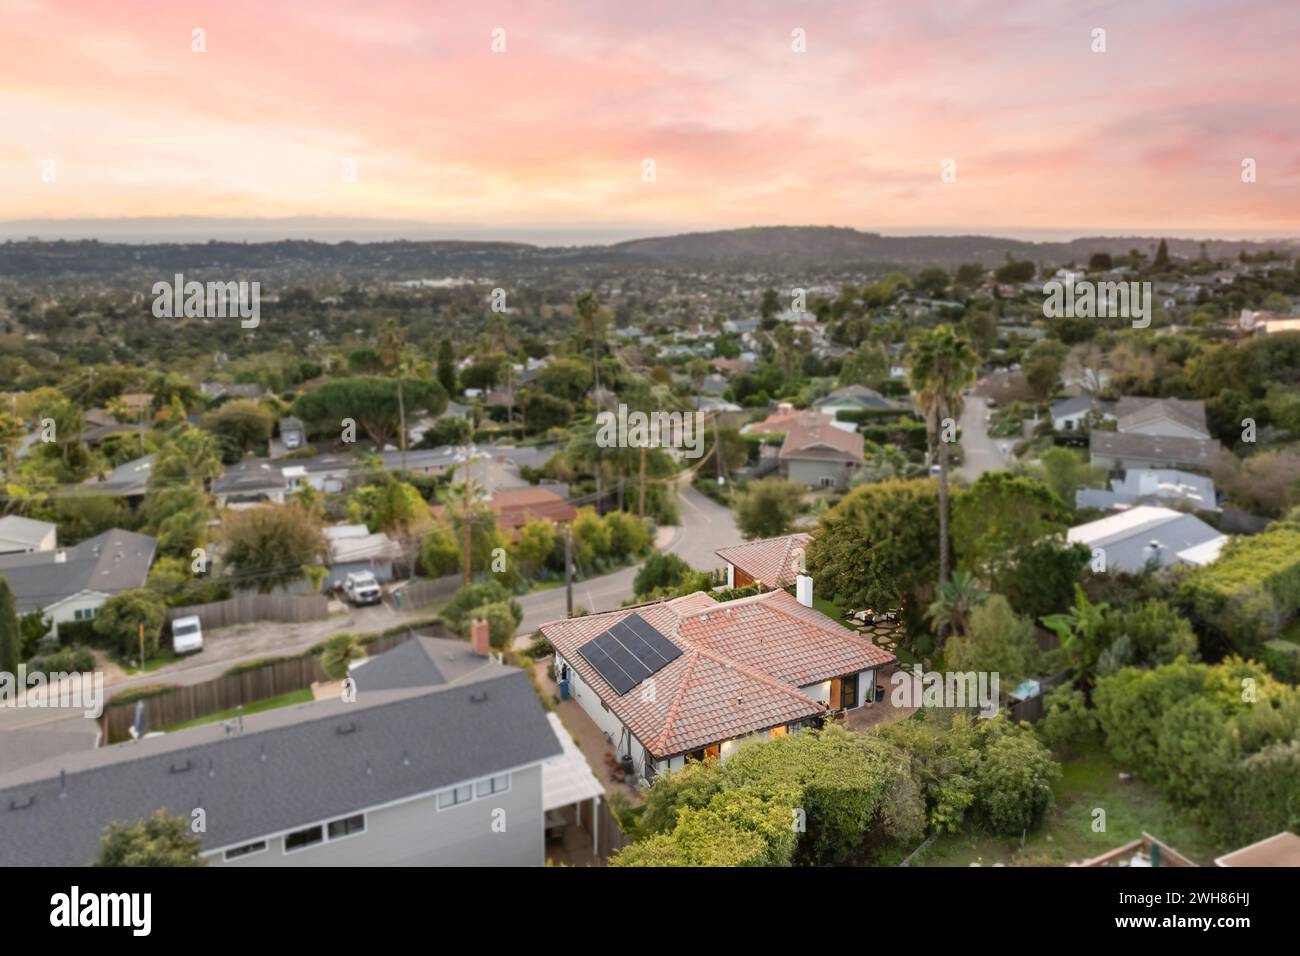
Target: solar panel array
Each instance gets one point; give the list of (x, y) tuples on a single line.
[(629, 652)]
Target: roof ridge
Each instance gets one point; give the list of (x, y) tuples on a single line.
[(755, 674), (675, 705)]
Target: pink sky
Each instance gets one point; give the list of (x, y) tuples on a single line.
[(1146, 137)]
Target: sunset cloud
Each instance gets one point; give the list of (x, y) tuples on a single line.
[(1044, 132)]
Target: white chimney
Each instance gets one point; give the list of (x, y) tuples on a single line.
[(60, 556), (803, 590), (731, 575)]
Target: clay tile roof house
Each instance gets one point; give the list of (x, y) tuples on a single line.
[(694, 678), (772, 562), (818, 454), (516, 508)]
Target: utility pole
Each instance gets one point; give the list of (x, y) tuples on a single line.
[(142, 645), (641, 505), (469, 530), (401, 414), (568, 570)]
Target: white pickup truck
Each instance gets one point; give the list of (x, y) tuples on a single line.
[(362, 588)]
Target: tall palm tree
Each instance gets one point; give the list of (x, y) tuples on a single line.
[(943, 364), (392, 346), (954, 603)]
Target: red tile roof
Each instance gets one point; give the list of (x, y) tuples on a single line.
[(516, 508), (741, 667), (816, 438), (774, 561)]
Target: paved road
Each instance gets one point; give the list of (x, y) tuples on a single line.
[(706, 526), (981, 452)]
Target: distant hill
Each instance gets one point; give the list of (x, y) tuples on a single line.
[(775, 249), (825, 245)]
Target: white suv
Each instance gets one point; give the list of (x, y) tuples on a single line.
[(362, 588)]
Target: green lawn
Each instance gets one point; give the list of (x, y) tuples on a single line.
[(270, 703), (1087, 782), (165, 655)]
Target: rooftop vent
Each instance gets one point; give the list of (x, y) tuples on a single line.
[(16, 804), (478, 697), (182, 767), (348, 728)]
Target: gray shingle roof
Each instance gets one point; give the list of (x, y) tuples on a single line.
[(289, 768), (114, 561), (1192, 452)]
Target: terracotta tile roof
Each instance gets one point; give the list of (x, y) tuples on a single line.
[(741, 667), (774, 561), (815, 437), (516, 508), (781, 422)]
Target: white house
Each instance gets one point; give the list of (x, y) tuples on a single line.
[(19, 535)]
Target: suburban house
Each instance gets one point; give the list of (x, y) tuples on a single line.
[(694, 678), (818, 454), (100, 423), (19, 535), (516, 508), (855, 398), (1071, 414), (1145, 534), (353, 548), (1155, 433), (786, 415), (437, 762), (71, 584), (128, 480), (771, 562), (252, 482), (1167, 417), (1117, 451), (1165, 486), (213, 391)]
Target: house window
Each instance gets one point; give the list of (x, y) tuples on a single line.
[(455, 796), (493, 785), (83, 614), (301, 839), (248, 849), (347, 826), (827, 482)]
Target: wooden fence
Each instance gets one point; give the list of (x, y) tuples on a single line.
[(247, 608), (610, 836), (421, 591), (190, 702), (1033, 709)]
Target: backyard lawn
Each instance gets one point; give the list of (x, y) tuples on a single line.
[(1066, 836), (270, 703)]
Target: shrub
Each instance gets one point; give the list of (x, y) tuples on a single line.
[(1282, 658), (1014, 780), (471, 596), (660, 572), (627, 533), (120, 618), (1068, 724), (502, 622)]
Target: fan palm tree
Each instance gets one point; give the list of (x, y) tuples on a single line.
[(943, 364), (955, 600)]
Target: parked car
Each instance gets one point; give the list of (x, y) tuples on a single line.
[(187, 635), (362, 588)]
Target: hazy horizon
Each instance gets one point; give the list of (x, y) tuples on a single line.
[(185, 229)]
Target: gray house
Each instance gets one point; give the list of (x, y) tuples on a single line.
[(437, 762), (1148, 536), (70, 584)]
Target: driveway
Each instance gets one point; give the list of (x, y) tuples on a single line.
[(981, 452), (706, 526)]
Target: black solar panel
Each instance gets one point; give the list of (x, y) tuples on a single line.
[(629, 652)]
